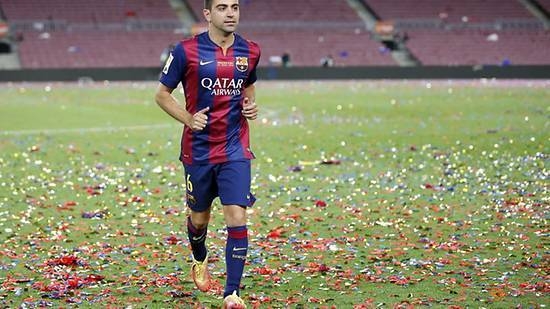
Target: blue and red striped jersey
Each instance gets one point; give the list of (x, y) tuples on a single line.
[(212, 79)]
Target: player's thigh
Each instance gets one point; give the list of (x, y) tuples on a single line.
[(201, 186), (234, 183)]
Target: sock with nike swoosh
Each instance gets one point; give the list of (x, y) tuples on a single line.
[(197, 238), (235, 257)]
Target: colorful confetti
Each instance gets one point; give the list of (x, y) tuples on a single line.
[(371, 194)]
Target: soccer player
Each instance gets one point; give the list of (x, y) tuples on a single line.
[(217, 70)]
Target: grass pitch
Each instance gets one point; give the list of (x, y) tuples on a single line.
[(370, 194)]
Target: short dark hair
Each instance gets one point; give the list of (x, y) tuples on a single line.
[(208, 4)]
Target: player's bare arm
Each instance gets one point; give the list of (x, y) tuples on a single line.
[(250, 109), (170, 105)]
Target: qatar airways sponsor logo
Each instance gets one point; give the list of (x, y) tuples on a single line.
[(223, 86)]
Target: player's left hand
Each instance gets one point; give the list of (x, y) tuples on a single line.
[(250, 109)]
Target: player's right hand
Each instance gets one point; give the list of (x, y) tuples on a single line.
[(200, 119)]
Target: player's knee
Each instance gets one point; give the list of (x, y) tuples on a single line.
[(200, 220), (235, 215), (200, 226)]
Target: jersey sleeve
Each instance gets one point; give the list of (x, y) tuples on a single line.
[(252, 77), (173, 68)]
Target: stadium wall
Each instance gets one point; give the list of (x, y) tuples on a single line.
[(293, 73)]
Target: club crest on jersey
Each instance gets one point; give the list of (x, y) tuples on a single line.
[(241, 63)]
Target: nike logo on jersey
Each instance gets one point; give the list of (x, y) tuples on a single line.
[(205, 62), (239, 249)]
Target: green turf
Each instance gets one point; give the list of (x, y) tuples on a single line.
[(433, 194)]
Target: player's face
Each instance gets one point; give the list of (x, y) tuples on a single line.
[(224, 15)]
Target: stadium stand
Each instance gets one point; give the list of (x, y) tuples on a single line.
[(308, 31), (478, 47), (85, 11), (84, 34), (475, 11), (88, 49), (290, 10), (469, 32), (348, 47), (133, 33)]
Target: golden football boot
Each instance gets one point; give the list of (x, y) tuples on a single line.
[(200, 274), (233, 301)]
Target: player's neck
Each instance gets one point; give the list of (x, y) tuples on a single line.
[(222, 39)]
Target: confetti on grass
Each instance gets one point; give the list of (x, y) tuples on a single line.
[(361, 208)]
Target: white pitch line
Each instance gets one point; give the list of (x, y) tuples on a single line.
[(87, 130)]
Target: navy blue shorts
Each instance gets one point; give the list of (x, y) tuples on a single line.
[(230, 181)]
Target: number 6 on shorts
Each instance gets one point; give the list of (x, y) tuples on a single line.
[(189, 183)]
